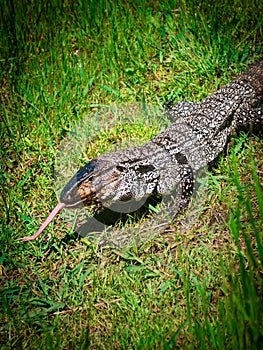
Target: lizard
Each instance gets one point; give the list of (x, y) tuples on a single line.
[(169, 161)]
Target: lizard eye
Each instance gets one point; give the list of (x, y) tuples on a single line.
[(145, 168), (120, 168)]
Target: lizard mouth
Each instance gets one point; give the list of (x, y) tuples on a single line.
[(79, 189)]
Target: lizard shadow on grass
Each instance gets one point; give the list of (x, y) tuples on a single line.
[(105, 217)]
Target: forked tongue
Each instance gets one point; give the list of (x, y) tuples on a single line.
[(48, 220)]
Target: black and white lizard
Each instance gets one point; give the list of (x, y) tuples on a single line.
[(170, 160)]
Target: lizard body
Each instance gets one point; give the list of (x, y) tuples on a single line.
[(170, 160), (199, 133)]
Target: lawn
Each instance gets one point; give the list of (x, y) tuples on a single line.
[(197, 284)]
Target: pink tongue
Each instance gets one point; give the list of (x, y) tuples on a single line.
[(51, 216)]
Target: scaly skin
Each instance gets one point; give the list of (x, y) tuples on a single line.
[(170, 160)]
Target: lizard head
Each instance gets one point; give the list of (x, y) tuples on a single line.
[(118, 178), (112, 178)]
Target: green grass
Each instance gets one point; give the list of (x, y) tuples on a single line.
[(196, 288)]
